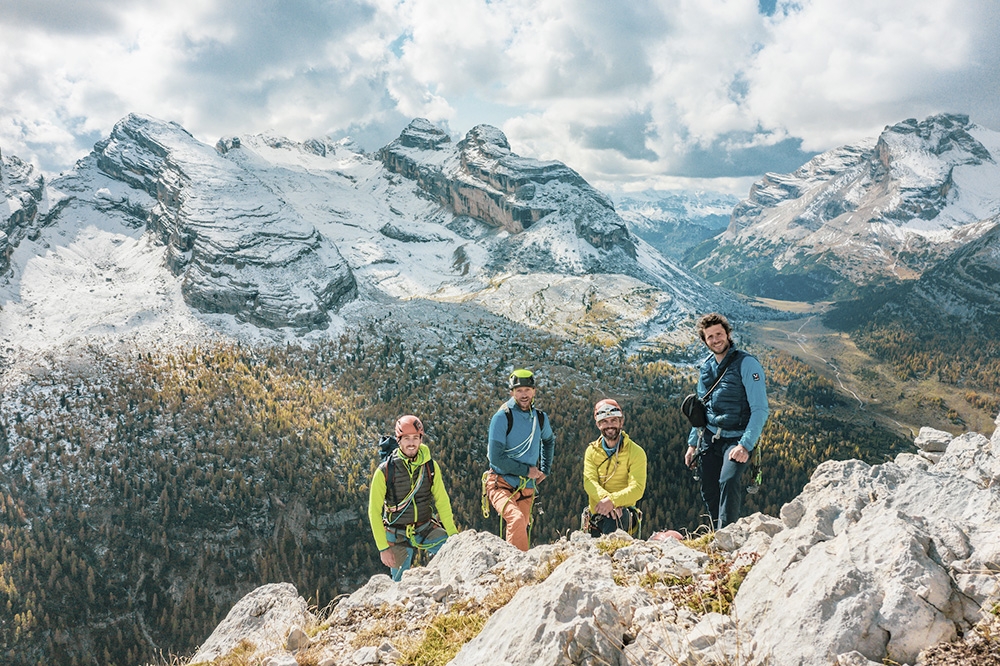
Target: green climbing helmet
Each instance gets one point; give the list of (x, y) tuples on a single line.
[(521, 378)]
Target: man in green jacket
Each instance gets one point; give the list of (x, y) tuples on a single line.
[(614, 474), (408, 506)]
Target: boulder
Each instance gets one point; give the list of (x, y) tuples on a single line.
[(880, 560), (263, 618), (933, 441), (576, 616)]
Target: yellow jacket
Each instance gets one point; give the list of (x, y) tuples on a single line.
[(622, 476)]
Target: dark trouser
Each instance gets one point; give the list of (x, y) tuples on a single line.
[(628, 523), (720, 481)]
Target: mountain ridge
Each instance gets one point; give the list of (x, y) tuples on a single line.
[(880, 210)]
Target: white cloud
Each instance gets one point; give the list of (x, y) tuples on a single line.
[(834, 71), (622, 92)]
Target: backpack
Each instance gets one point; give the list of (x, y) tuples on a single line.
[(387, 445), (540, 415)]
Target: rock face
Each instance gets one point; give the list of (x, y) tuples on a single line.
[(480, 177), (241, 249), (882, 560), (266, 618), (867, 564), (23, 205), (884, 209)]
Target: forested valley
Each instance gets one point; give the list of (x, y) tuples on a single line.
[(143, 493)]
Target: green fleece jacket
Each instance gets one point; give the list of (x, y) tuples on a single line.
[(376, 496)]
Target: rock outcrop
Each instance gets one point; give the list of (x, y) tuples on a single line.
[(264, 619), (867, 564), (22, 193), (480, 177), (241, 249)]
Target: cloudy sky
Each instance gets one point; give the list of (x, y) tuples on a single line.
[(632, 94)]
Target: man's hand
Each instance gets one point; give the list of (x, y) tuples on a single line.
[(536, 474), (388, 557), (739, 454), (606, 507), (689, 456)]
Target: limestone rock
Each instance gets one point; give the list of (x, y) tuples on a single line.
[(241, 249), (934, 441), (264, 618), (872, 558), (480, 177), (576, 616)]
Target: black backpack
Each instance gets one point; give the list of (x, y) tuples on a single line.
[(387, 445)]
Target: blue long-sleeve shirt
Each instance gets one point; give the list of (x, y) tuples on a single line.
[(752, 376), (526, 445)]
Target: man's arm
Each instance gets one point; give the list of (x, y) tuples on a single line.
[(595, 491), (376, 499), (548, 447), (442, 502), (753, 382)]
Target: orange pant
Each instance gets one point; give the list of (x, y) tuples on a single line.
[(514, 507)]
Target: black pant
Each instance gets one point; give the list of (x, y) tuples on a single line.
[(629, 522), (720, 481)]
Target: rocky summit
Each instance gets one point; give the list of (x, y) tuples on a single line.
[(882, 209), (481, 178), (891, 563)]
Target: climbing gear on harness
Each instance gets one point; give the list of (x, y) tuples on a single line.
[(519, 490), (630, 521)]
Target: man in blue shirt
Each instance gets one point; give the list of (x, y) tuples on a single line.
[(520, 451), (736, 412)]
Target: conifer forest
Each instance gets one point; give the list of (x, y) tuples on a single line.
[(144, 492)]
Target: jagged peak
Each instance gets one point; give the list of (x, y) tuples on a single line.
[(423, 134), (488, 140)]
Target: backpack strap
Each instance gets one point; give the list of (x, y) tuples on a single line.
[(539, 414)]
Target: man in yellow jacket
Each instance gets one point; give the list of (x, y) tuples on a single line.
[(614, 474), (408, 506)]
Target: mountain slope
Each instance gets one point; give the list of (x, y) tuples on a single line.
[(877, 211), (159, 236), (960, 294)]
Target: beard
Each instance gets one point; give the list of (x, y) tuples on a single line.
[(611, 434)]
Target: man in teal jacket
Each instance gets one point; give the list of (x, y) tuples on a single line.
[(521, 445), (408, 506)]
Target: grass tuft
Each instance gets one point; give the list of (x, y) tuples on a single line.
[(611, 545)]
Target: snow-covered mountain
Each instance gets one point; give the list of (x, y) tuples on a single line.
[(675, 221), (880, 210), (960, 294), (155, 233)]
